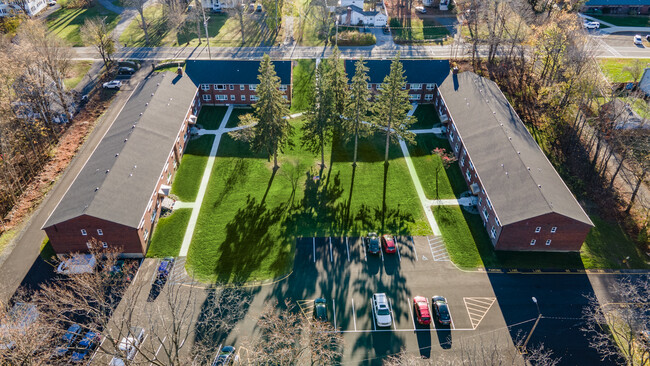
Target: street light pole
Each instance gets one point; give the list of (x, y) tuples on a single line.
[(336, 40), (205, 25), (539, 316)]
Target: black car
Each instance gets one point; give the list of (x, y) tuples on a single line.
[(386, 30), (125, 70), (320, 309), (441, 309), (372, 241), (225, 357)]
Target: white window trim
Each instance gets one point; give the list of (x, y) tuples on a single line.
[(553, 229), (242, 87), (430, 86), (243, 98), (205, 87), (548, 241), (532, 242), (104, 245), (252, 87), (538, 229), (207, 97), (416, 86), (100, 232), (84, 232)]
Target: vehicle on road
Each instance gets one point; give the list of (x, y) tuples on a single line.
[(372, 241), (51, 2), (591, 25), (638, 40), (421, 307), (386, 30), (85, 346), (441, 309), (128, 346), (259, 8), (320, 309), (647, 37), (164, 269), (114, 84), (388, 243), (421, 9), (381, 310), (77, 264), (68, 338), (126, 70), (225, 357)]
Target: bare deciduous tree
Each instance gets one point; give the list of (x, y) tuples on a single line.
[(95, 32)]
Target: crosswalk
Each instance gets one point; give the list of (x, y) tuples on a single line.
[(477, 307), (438, 249)]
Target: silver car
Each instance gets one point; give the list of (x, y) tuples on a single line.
[(381, 309)]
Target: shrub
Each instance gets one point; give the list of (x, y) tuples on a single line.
[(395, 23), (353, 38)]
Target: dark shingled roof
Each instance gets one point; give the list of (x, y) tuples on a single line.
[(518, 178), (233, 72), (617, 2), (416, 71), (117, 188)]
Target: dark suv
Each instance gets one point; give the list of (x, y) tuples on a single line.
[(372, 241)]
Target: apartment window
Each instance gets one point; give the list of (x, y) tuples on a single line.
[(548, 242), (283, 88), (242, 87), (480, 201), (100, 232), (553, 229), (145, 234), (532, 242), (243, 98), (451, 135), (428, 97), (219, 86), (497, 221), (231, 87), (252, 87), (487, 200), (254, 98), (369, 86), (456, 148), (468, 174), (493, 232), (405, 86), (414, 96), (471, 166), (416, 86), (104, 245), (462, 161), (207, 97), (284, 97), (232, 96), (166, 166), (378, 86), (221, 97), (89, 245), (153, 216), (83, 232), (205, 87), (149, 205), (169, 177), (175, 164), (430, 86), (486, 214), (538, 229)]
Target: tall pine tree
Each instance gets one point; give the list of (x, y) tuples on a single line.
[(273, 131), (318, 127), (340, 89), (392, 106), (358, 103)]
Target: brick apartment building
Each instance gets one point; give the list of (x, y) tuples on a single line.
[(622, 7), (116, 196), (422, 76), (523, 202), (234, 82)]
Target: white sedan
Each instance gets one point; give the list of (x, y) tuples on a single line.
[(115, 84), (638, 40), (421, 9), (592, 25)]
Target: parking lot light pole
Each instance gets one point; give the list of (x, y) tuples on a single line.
[(539, 316), (336, 40)]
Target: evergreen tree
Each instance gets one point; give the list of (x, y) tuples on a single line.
[(392, 106), (318, 128), (339, 81), (273, 131), (358, 104)]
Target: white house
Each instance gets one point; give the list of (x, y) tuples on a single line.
[(217, 4), (9, 10), (346, 3), (355, 15), (644, 84), (31, 7)]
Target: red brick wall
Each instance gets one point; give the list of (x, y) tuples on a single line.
[(569, 236), (422, 92), (236, 91)]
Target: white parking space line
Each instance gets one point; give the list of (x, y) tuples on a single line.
[(159, 347), (331, 249), (397, 247), (363, 246), (347, 247), (401, 330), (408, 299), (414, 250), (354, 315), (100, 346), (381, 252), (334, 312), (153, 275), (314, 246), (374, 327), (392, 315), (451, 319)]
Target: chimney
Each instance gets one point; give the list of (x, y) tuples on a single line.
[(349, 15), (179, 70)]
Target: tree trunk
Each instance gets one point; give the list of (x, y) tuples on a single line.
[(275, 160), (618, 169), (143, 24), (241, 25), (639, 182)]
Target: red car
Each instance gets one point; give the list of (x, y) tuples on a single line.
[(388, 243), (421, 307)]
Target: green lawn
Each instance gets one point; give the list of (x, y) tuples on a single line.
[(625, 20), (450, 182), (427, 117), (211, 117), (250, 217), (65, 23), (303, 85), (78, 71), (168, 234), (233, 121), (613, 68), (187, 179), (419, 30), (133, 36), (470, 247)]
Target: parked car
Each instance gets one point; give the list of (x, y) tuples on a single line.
[(85, 346), (126, 70), (80, 263), (421, 307), (372, 241), (259, 8), (647, 37), (638, 40), (216, 7), (421, 9), (386, 30), (381, 310), (320, 309), (164, 269), (441, 309), (128, 346), (114, 84), (51, 2), (225, 357), (591, 25), (388, 243), (251, 7), (68, 338)]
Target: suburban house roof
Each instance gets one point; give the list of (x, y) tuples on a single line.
[(518, 178), (617, 2), (368, 13), (117, 181), (233, 72), (416, 71), (644, 84)]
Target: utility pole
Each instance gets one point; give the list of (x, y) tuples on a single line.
[(336, 40), (539, 316), (205, 25)]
